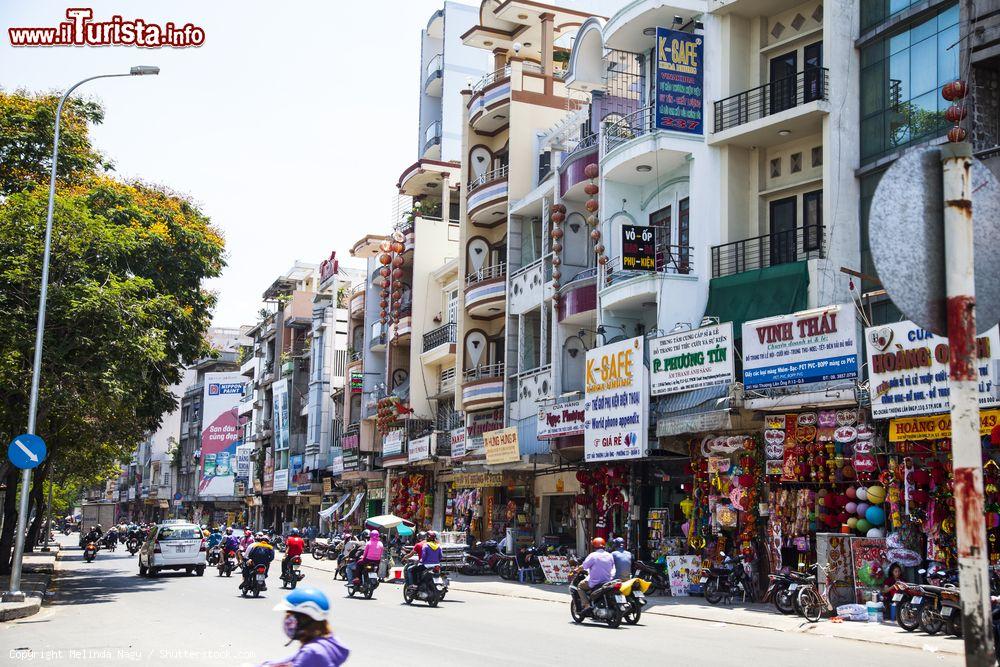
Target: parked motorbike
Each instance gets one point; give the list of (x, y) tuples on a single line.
[(256, 583), (607, 603), (654, 574), (431, 587), (481, 558), (367, 581), (292, 573), (726, 582), (783, 587), (527, 558), (320, 548), (227, 563), (214, 554), (928, 601), (634, 591), (90, 552)]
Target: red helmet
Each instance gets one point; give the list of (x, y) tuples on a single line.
[(598, 543)]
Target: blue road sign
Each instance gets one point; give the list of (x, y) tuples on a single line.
[(26, 451)]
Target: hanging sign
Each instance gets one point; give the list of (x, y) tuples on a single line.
[(936, 427), (392, 443), (616, 403), (638, 248), (679, 81), (691, 359), (502, 446), (561, 420)]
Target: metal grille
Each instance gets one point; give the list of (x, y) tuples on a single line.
[(624, 81)]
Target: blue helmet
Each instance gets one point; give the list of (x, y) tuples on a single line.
[(309, 601)]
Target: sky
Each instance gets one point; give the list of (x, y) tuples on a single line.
[(289, 127)]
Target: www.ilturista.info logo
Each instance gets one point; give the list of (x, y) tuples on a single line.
[(82, 30)]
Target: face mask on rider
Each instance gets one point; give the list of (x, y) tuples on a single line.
[(291, 626)]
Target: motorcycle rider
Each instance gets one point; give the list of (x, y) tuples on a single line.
[(600, 565), (371, 556), (623, 559), (259, 553), (430, 555), (306, 611), (353, 554), (294, 546), (245, 542), (229, 543), (93, 536), (215, 539), (412, 558)]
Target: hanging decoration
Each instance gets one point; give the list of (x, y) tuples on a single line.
[(954, 92), (591, 171), (558, 217)]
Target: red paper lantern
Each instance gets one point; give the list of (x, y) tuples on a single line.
[(592, 205), (384, 258), (591, 189), (955, 113), (558, 216), (955, 90), (591, 170), (557, 233), (957, 134)]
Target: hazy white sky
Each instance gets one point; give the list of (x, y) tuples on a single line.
[(289, 126)]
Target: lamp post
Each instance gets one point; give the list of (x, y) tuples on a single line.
[(14, 593)]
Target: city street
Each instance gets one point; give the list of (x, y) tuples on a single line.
[(104, 613)]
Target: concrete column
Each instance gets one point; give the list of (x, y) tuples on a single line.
[(548, 37), (499, 58)]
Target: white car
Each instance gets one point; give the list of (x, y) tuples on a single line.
[(174, 546)]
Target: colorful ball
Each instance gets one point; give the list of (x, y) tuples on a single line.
[(861, 493), (862, 526), (875, 533), (851, 493), (851, 507), (861, 509), (876, 495), (875, 515), (852, 522)]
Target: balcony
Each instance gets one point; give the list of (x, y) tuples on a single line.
[(434, 75), (482, 387), (486, 291), (761, 252), (446, 383), (378, 337), (633, 142), (432, 142), (487, 199), (356, 304), (768, 114), (489, 106), (627, 291), (578, 301), (439, 344), (572, 170)]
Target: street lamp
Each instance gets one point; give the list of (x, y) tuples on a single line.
[(14, 593)]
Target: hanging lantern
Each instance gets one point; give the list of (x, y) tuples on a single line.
[(602, 260), (397, 247), (592, 205), (555, 284), (382, 313), (559, 208), (957, 134), (384, 258), (397, 273), (591, 170), (556, 261), (397, 261), (595, 234), (591, 189), (955, 90), (557, 247), (556, 274), (557, 233), (558, 217), (955, 114), (384, 272), (383, 303), (599, 248), (592, 220)]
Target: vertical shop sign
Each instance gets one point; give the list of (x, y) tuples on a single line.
[(220, 437), (638, 248), (616, 402), (679, 81)]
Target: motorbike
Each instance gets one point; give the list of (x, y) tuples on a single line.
[(256, 583), (431, 587), (343, 560), (109, 541), (132, 546), (279, 543), (783, 587), (90, 552), (607, 603), (929, 601), (907, 615), (655, 575), (726, 582), (214, 554), (482, 558), (321, 549), (367, 581), (634, 591), (527, 557), (292, 573), (227, 563)]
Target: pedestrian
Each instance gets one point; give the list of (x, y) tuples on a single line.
[(306, 612)]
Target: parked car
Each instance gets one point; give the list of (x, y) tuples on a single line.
[(173, 546)]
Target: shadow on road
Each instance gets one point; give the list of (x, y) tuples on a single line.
[(93, 584)]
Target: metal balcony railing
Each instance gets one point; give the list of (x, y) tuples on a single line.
[(432, 135), (435, 65), (354, 355), (628, 127), (491, 78), (771, 249), (486, 273), (583, 144), (672, 259), (485, 179), (806, 86), (495, 370), (440, 336)]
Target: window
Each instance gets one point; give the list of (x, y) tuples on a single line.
[(795, 163), (812, 221), (661, 221), (782, 238), (453, 306), (817, 156), (901, 79), (684, 235)]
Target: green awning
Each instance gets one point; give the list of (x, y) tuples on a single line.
[(759, 293)]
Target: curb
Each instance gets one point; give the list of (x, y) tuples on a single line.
[(10, 611)]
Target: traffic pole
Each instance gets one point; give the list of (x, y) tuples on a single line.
[(966, 448)]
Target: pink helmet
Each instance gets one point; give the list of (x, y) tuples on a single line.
[(373, 535)]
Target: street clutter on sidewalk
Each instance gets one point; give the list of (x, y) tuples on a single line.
[(695, 608), (36, 577)]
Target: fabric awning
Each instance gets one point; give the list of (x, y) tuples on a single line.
[(354, 506), (329, 511), (759, 293)]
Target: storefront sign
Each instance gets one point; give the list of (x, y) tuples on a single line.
[(350, 441), (327, 485), (357, 382), (458, 442), (268, 486), (477, 423), (867, 553), (715, 420), (392, 443), (243, 453), (555, 568), (937, 427), (281, 480), (802, 348), (682, 570), (281, 412), (502, 446), (638, 248), (616, 403), (352, 460), (220, 436), (691, 359), (376, 493), (679, 81), (336, 461), (908, 370), (560, 420), (479, 480), (419, 449)]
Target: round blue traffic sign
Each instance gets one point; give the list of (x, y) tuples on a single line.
[(26, 451)]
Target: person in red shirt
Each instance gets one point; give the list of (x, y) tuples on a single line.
[(413, 557), (294, 546)]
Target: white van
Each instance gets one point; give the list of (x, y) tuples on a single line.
[(174, 546)]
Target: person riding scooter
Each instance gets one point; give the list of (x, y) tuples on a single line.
[(430, 555), (371, 556), (259, 553), (93, 536), (229, 543), (294, 546), (600, 567), (623, 559), (412, 558)]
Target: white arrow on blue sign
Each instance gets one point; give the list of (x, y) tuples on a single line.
[(26, 451)]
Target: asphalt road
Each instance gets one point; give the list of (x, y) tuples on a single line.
[(104, 613)]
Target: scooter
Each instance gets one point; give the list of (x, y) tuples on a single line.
[(90, 552), (607, 603), (132, 545), (431, 588), (227, 564), (291, 573), (654, 574), (214, 554), (634, 591), (256, 583), (367, 581)]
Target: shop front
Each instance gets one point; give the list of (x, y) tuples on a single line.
[(489, 504)]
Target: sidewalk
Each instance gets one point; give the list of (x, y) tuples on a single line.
[(36, 575), (695, 608)]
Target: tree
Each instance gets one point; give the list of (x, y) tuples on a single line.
[(126, 309)]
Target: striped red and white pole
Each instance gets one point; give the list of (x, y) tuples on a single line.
[(960, 278)]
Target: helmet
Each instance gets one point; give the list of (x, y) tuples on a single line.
[(265, 538), (366, 533), (422, 535), (98, 526), (432, 535), (229, 530), (598, 543), (246, 531), (618, 542), (259, 536), (309, 601), (204, 526), (373, 535), (294, 531)]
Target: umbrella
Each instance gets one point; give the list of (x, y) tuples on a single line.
[(390, 521)]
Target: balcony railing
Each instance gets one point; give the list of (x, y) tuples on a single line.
[(583, 144), (493, 175), (353, 355), (486, 273), (378, 335), (440, 336), (672, 259), (792, 91), (491, 78), (432, 135), (772, 249), (628, 127), (484, 372), (435, 65), (446, 384)]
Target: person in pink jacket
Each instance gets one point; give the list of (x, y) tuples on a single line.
[(371, 556)]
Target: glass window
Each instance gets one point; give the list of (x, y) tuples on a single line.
[(900, 79)]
